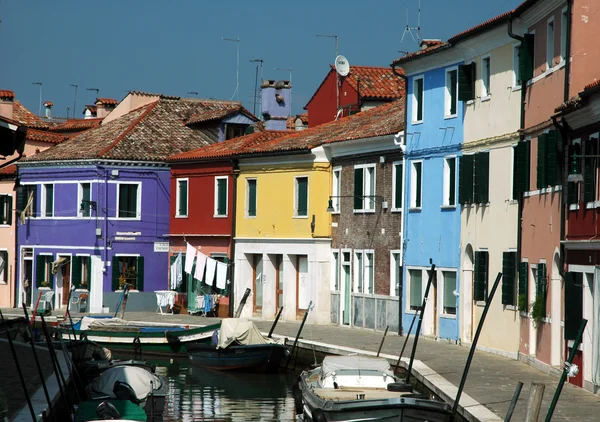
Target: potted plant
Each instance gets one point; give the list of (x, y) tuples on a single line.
[(537, 311), (45, 283), (522, 303)]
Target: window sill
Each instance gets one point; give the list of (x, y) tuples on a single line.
[(592, 205), (410, 311), (510, 308), (574, 207), (470, 102), (337, 212), (524, 314), (486, 98), (414, 209), (516, 88), (181, 216), (301, 216), (418, 122), (364, 211), (448, 207), (396, 210), (448, 316), (250, 216), (220, 216), (513, 201), (451, 116), (480, 303), (4, 226), (125, 218)]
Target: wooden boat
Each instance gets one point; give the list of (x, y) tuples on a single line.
[(94, 368), (109, 410), (359, 388), (130, 383), (147, 338), (241, 347)]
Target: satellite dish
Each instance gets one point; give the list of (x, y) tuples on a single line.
[(342, 66)]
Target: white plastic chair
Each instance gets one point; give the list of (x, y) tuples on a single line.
[(46, 301)]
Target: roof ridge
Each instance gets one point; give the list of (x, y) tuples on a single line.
[(133, 124)]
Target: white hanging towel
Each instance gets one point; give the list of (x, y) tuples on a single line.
[(211, 266), (190, 254), (179, 270), (173, 282), (221, 275), (200, 264)]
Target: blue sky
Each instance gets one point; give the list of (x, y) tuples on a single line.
[(175, 47)]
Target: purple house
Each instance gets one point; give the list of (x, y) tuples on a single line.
[(94, 210)]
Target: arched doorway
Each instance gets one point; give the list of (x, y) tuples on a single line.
[(556, 288), (466, 294)]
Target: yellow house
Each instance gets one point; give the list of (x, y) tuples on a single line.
[(282, 235)]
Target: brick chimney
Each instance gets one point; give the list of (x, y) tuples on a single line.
[(275, 103), (105, 106), (48, 106), (7, 98)]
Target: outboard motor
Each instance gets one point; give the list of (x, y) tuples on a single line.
[(106, 410), (123, 391)]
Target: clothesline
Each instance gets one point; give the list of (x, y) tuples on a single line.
[(207, 268)]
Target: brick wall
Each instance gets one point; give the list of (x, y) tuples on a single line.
[(378, 231)]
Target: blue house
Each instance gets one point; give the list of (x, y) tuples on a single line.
[(432, 219)]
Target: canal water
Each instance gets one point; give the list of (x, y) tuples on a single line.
[(197, 394)]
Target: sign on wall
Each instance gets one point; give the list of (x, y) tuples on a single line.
[(161, 246)]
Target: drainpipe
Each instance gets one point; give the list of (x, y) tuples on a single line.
[(236, 173), (404, 216)]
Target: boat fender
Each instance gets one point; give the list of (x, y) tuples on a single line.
[(172, 338), (399, 387), (319, 416)]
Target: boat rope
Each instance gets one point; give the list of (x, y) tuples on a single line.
[(137, 347)]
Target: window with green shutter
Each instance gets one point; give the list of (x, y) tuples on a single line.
[(509, 271), (451, 93), (553, 168), (449, 288), (465, 179), (526, 64), (541, 286), (480, 285), (221, 196), (572, 193), (541, 161), (140, 273), (466, 82), (416, 289), (523, 287), (590, 171), (251, 211), (301, 196), (521, 168), (182, 197), (416, 184), (76, 271), (358, 188), (398, 186), (84, 205), (482, 178), (573, 304), (418, 100), (27, 193), (40, 271), (48, 200), (128, 200), (115, 274)]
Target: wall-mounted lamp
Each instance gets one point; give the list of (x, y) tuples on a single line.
[(88, 203), (575, 174), (375, 198)]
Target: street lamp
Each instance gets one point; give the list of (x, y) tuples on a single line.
[(290, 70), (236, 93), (40, 85)]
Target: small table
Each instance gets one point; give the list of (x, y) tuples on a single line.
[(165, 298)]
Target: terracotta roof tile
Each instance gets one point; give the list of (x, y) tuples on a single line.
[(8, 170), (7, 93), (423, 52), (379, 121), (291, 121), (575, 102), (218, 113), (594, 84), (44, 136), (107, 101), (72, 125), (481, 27), (150, 94), (150, 133), (26, 117)]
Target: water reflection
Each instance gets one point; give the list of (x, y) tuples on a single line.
[(196, 394)]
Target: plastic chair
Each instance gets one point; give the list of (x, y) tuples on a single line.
[(46, 301), (79, 302)]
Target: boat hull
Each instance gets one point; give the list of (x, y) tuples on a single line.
[(248, 358)]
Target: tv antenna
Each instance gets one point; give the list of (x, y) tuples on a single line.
[(410, 29)]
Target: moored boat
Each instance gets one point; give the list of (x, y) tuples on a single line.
[(109, 410), (239, 346), (122, 335), (360, 388)]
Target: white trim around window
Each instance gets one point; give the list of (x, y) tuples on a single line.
[(550, 34), (178, 181), (216, 197), (297, 197), (449, 199), (486, 77), (4, 267), (443, 272), (335, 270), (415, 101), (249, 181), (516, 85), (44, 211), (395, 165), (413, 272), (336, 189), (138, 204), (416, 184), (448, 93), (80, 199), (358, 282), (369, 187), (395, 272), (564, 23)]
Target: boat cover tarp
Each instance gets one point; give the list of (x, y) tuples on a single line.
[(86, 411), (241, 331), (356, 362), (112, 324), (137, 378)]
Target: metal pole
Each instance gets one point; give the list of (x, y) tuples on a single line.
[(383, 339), (40, 107), (236, 94), (39, 367), (406, 340), (74, 100), (416, 340), (242, 303), (563, 376), (275, 322), (56, 366), (513, 402), (14, 353), (310, 305), (255, 87), (474, 345)]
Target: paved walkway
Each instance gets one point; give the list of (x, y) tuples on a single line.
[(492, 379)]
